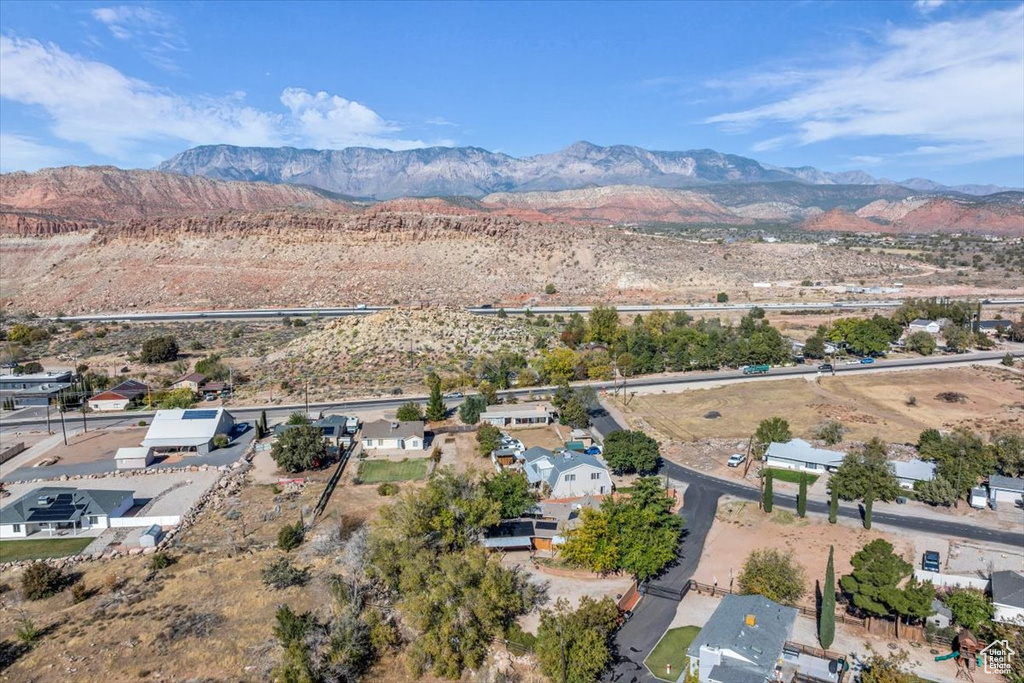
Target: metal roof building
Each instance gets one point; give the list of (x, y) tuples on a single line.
[(188, 429)]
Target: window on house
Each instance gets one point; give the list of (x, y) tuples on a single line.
[(570, 477), (380, 442), (93, 519), (811, 465), (595, 475), (16, 528)]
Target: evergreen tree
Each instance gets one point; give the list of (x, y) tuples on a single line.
[(436, 409), (833, 506), (263, 424), (827, 620), (801, 498), (869, 499), (769, 495)]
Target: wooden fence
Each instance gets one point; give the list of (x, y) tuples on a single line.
[(326, 495), (453, 429)]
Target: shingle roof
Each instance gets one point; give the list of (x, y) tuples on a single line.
[(920, 322), (998, 481), (761, 644), (70, 504), (799, 450), (392, 429), (192, 377), (917, 470), (1008, 588)]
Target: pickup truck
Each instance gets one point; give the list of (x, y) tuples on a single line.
[(756, 369)]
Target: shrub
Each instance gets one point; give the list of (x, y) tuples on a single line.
[(221, 441), (280, 574), (159, 349), (549, 288), (911, 400), (160, 560), (722, 298), (1007, 360), (951, 397), (27, 632), (42, 580), (387, 488), (290, 536), (831, 432), (142, 423), (79, 592), (409, 412)]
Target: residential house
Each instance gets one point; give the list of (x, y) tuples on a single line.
[(923, 325), (742, 641), (56, 508), (1005, 489), (568, 474), (521, 534), (909, 473), (518, 415), (393, 435), (1008, 597), (38, 389), (121, 397), (800, 455), (333, 427), (994, 328), (192, 380), (190, 430)]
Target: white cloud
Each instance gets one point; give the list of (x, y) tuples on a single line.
[(149, 30), (866, 160), (928, 6), (92, 103), (955, 86), (24, 153)]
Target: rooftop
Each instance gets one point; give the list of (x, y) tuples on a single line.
[(65, 504), (192, 377), (539, 409), (186, 427), (915, 469), (799, 450), (392, 429), (62, 376), (998, 481), (1008, 588)]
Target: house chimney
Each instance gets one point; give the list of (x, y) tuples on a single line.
[(751, 620)]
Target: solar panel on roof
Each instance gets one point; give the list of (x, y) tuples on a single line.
[(199, 415), (62, 509)]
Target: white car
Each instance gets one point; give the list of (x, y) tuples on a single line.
[(454, 394), (855, 361), (736, 460)]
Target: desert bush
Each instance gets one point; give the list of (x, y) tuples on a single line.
[(42, 580), (221, 441), (387, 489), (160, 560), (951, 397), (290, 536), (28, 633), (911, 400), (281, 574), (79, 592)]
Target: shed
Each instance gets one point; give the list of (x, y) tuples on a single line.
[(151, 536), (133, 457), (979, 497)]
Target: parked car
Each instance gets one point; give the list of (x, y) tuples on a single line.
[(930, 563), (855, 361), (826, 367), (593, 450), (454, 394), (867, 361), (736, 460)]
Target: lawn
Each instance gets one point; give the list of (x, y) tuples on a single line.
[(671, 649), (377, 471), (792, 476), (39, 549)]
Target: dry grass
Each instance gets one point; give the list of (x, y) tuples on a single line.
[(869, 404)]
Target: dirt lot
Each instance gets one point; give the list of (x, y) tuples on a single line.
[(545, 437), (869, 404), (92, 446), (740, 527)]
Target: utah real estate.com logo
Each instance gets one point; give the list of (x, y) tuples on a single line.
[(997, 657)]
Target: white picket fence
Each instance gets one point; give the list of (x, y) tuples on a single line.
[(134, 522)]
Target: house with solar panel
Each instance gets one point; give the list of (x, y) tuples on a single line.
[(189, 430), (63, 510)]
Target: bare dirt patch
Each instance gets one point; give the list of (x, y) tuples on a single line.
[(100, 444)]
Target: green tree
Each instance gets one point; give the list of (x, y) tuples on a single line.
[(488, 437), (409, 412), (1009, 452), (921, 342), (162, 349), (865, 469), (41, 580), (436, 409), (213, 367), (290, 536), (593, 544), (831, 432), (574, 414), (814, 347), (873, 586), (603, 324), (960, 457), (176, 398), (869, 503), (471, 408), (560, 365), (827, 618), (773, 574), (937, 491), (263, 426), (512, 491), (957, 339), (575, 646), (549, 289), (298, 418), (768, 495), (970, 607), (801, 497), (628, 451), (773, 430), (891, 669), (298, 448), (833, 505), (488, 392), (722, 297)]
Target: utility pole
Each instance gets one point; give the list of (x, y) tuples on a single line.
[(63, 427), (85, 423), (48, 417)]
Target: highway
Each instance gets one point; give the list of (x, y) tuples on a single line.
[(35, 418), (338, 312)]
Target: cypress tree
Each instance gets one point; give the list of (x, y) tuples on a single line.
[(827, 620), (833, 506), (769, 495), (263, 429), (436, 409), (869, 499), (801, 498)]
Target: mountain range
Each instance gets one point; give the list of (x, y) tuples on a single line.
[(474, 172)]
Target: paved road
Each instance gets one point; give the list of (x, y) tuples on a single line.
[(335, 312), (35, 418)]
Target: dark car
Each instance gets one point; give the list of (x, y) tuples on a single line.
[(826, 367), (930, 563)]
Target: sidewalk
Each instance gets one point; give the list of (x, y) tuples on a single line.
[(35, 451)]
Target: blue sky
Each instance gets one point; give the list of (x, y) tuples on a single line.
[(900, 89)]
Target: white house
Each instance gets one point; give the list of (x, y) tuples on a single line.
[(923, 325), (119, 397), (1005, 489), (800, 455), (567, 475), (55, 508), (909, 473), (519, 415), (393, 435), (742, 641), (188, 429), (1008, 597)]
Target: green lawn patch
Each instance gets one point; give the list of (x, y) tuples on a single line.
[(377, 471), (671, 649), (792, 476), (42, 548)]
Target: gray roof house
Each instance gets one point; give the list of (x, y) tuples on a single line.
[(1005, 489), (912, 471), (567, 475), (35, 389), (797, 454), (50, 508), (1008, 597), (921, 324), (743, 640), (393, 434)]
